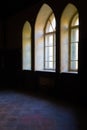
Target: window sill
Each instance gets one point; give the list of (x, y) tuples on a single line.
[(46, 71), (70, 72)]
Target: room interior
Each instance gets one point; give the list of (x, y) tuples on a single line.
[(23, 73)]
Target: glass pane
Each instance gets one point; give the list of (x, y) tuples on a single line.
[(46, 65), (74, 51), (74, 65), (49, 27), (53, 21), (49, 40), (54, 24), (75, 35), (75, 21), (46, 53), (51, 58), (50, 51), (50, 65), (51, 24)]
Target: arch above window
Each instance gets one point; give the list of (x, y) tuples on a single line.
[(75, 20), (51, 24)]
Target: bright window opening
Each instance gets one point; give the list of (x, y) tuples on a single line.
[(26, 46)]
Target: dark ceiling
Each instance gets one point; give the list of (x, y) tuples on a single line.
[(8, 8)]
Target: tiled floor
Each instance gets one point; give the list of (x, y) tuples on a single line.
[(20, 111)]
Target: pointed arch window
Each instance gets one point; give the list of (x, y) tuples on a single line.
[(74, 41), (45, 40), (69, 39), (26, 46), (50, 46)]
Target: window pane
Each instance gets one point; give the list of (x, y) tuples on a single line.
[(51, 51), (49, 40), (49, 27), (46, 65), (74, 65), (46, 53), (53, 23), (51, 58), (50, 43), (50, 65), (74, 35), (75, 21), (74, 51)]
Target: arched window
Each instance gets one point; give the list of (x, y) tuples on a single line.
[(69, 39), (45, 40), (50, 45), (74, 40), (26, 46)]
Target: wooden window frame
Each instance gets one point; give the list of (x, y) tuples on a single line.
[(53, 45), (76, 42)]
